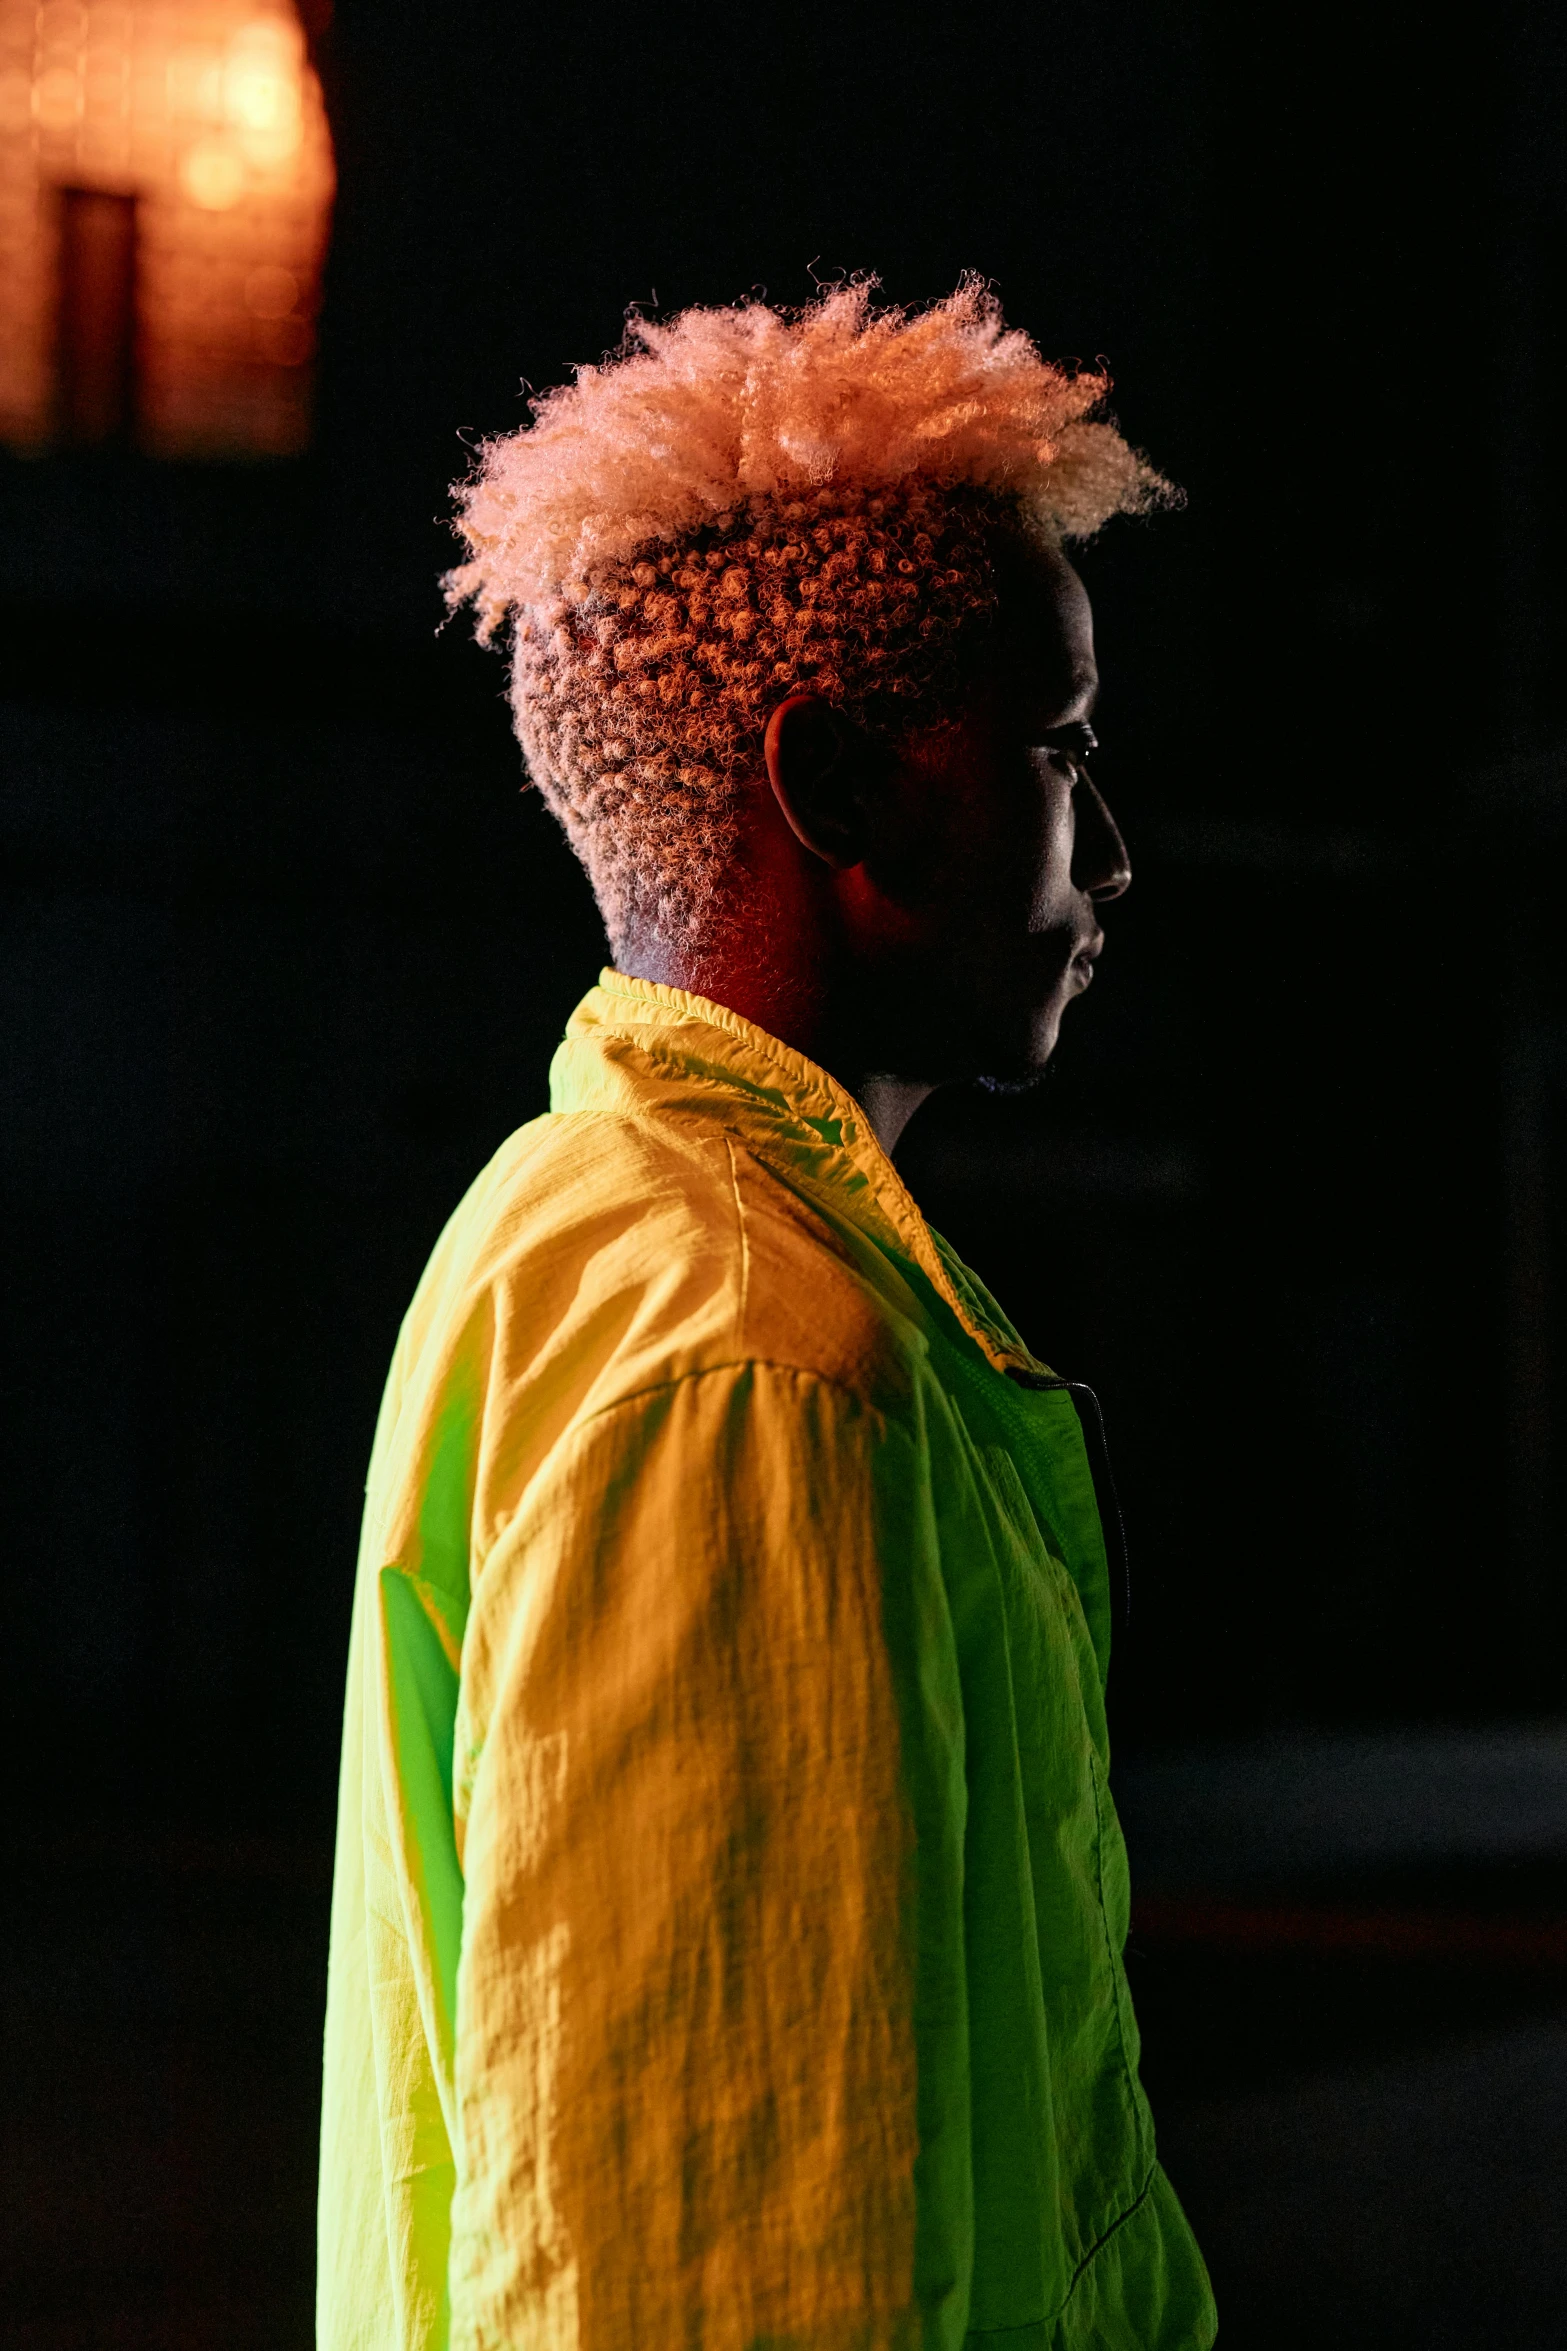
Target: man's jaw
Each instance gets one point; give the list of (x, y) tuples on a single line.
[(1021, 1072)]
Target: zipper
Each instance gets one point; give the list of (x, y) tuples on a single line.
[(1096, 1446)]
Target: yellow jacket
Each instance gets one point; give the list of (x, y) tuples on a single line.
[(729, 1901)]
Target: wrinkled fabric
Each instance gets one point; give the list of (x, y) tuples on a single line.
[(729, 1900)]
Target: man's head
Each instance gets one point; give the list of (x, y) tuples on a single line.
[(965, 859), (799, 663)]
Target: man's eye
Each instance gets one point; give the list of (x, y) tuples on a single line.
[(1071, 743)]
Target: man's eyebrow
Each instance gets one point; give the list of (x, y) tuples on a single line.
[(1078, 707)]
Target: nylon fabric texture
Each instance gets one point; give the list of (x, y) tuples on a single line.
[(729, 1900)]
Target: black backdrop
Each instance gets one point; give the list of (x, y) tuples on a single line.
[(286, 952), (289, 950)]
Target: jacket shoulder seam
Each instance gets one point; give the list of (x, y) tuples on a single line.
[(706, 1371), (743, 1309), (734, 1363)]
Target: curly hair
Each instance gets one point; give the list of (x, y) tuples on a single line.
[(750, 502)]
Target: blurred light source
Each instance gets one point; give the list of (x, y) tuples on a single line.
[(165, 192)]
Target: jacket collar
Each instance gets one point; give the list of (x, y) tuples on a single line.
[(632, 1043)]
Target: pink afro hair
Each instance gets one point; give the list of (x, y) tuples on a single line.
[(746, 502)]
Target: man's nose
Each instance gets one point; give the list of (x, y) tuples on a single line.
[(1100, 864)]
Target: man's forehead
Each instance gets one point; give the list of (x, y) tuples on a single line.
[(1049, 628)]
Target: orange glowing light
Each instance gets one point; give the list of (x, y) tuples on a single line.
[(165, 192)]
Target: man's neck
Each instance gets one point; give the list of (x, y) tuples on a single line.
[(889, 1104), (792, 1004)]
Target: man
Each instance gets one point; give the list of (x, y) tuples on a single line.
[(729, 1903)]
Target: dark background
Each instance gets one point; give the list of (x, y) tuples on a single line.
[(286, 952)]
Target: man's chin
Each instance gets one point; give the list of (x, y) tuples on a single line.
[(1019, 1070)]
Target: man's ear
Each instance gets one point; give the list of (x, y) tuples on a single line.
[(815, 764)]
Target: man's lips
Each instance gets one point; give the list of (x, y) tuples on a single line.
[(1087, 956)]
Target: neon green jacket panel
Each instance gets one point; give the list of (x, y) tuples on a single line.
[(729, 1901)]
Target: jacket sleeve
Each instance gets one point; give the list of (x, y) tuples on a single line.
[(710, 2071)]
